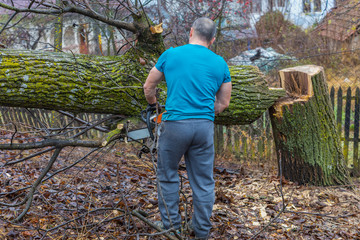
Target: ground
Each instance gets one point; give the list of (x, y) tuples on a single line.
[(91, 197)]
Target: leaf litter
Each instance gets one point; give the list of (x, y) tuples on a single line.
[(93, 199)]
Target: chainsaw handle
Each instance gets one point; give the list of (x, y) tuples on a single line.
[(143, 115), (146, 116), (148, 124)]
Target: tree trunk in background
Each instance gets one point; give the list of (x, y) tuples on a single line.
[(96, 41), (58, 31), (304, 128), (113, 85)]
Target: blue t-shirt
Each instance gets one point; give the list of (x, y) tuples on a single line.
[(193, 75)]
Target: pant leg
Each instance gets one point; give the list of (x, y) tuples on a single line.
[(174, 140), (199, 164)]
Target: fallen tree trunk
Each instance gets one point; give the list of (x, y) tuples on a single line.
[(113, 85), (304, 128)]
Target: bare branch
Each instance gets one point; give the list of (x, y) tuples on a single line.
[(58, 143), (28, 157), (83, 121), (74, 9), (30, 195), (7, 23)]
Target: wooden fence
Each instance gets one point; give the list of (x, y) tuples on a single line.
[(250, 142), (246, 142), (346, 106), (39, 121), (255, 141)]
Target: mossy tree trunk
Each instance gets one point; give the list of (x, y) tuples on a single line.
[(304, 128), (113, 85)]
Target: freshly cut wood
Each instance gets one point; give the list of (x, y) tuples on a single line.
[(92, 84), (307, 142)]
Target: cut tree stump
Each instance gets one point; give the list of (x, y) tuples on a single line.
[(307, 142)]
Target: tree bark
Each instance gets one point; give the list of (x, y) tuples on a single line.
[(112, 85), (304, 128), (58, 33)]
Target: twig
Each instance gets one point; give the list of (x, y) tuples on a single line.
[(77, 218), (59, 143), (37, 182), (82, 121), (166, 233), (94, 125), (7, 23), (28, 157)]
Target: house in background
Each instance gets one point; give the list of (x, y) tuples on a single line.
[(303, 13), (244, 14), (341, 27)]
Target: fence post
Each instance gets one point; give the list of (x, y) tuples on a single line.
[(356, 161), (219, 139), (339, 111), (332, 96), (268, 135), (229, 147), (347, 124)]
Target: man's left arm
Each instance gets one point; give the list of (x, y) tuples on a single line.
[(223, 96), (153, 79)]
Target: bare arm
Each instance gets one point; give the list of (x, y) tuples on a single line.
[(223, 97), (153, 79)]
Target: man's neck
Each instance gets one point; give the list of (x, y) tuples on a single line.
[(199, 42)]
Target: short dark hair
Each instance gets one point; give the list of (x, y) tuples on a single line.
[(204, 28)]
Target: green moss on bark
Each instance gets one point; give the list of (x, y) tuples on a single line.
[(83, 83), (307, 143)]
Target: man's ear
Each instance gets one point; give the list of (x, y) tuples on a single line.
[(212, 41), (191, 32)]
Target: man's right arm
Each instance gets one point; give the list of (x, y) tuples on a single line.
[(153, 79), (223, 96)]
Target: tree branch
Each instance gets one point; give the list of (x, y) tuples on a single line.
[(58, 143), (74, 9), (30, 195)]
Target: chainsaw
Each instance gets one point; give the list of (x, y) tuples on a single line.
[(136, 130)]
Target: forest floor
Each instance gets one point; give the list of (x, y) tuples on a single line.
[(88, 200)]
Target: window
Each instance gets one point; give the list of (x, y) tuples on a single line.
[(306, 5), (255, 6), (312, 6), (281, 3), (317, 5)]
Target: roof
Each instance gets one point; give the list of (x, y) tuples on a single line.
[(341, 22)]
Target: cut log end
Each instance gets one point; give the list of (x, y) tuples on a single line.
[(297, 80)]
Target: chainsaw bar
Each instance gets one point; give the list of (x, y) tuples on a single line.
[(138, 134)]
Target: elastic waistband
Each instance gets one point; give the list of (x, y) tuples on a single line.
[(191, 120)]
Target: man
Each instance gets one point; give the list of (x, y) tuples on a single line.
[(198, 87)]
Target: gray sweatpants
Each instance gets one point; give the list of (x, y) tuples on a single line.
[(193, 138)]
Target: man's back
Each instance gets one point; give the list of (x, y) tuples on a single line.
[(193, 75)]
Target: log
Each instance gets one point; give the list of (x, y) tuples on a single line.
[(111, 85), (304, 128)]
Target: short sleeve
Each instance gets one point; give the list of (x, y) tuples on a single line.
[(227, 77), (160, 65)]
